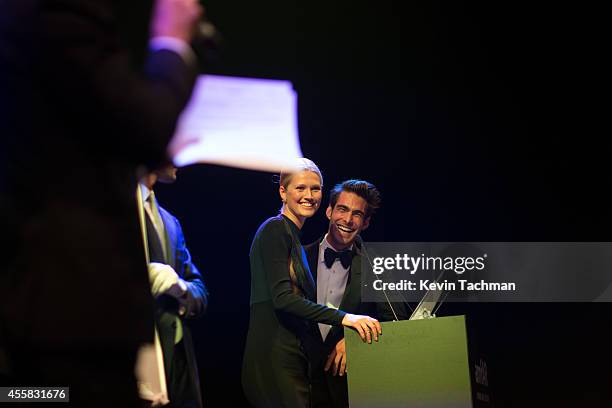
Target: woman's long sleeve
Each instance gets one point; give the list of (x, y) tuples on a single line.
[(275, 248)]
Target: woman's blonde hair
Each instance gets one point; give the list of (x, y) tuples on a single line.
[(300, 164)]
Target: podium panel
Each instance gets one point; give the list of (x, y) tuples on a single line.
[(416, 363)]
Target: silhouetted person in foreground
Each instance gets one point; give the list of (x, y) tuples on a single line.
[(83, 106)]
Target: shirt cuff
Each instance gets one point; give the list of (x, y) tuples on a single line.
[(175, 45)]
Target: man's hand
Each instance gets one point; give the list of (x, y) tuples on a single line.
[(175, 18), (338, 359), (366, 326), (164, 280)]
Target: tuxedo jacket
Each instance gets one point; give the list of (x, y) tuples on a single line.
[(80, 113), (194, 303), (351, 300)]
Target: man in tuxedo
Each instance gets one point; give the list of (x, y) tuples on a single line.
[(91, 91), (178, 289), (335, 261)]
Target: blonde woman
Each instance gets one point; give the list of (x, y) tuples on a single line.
[(283, 294)]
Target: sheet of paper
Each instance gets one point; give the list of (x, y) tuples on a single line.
[(239, 122), (149, 371)]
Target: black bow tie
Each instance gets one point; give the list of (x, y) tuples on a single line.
[(331, 255)]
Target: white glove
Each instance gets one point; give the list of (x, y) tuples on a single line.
[(164, 280)]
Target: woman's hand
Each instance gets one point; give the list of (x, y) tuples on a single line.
[(366, 326)]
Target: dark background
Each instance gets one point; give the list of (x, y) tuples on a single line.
[(479, 121)]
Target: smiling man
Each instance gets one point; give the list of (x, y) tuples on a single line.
[(335, 261)]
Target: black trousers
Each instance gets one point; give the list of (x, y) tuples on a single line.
[(180, 384), (328, 391)]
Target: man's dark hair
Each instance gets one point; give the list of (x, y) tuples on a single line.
[(363, 189)]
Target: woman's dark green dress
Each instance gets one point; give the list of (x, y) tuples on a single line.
[(275, 367)]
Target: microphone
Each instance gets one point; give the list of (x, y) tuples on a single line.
[(206, 42), (359, 243), (207, 36)]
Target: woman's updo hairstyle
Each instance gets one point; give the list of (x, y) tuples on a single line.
[(300, 164)]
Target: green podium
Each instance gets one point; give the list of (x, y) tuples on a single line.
[(416, 363)]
